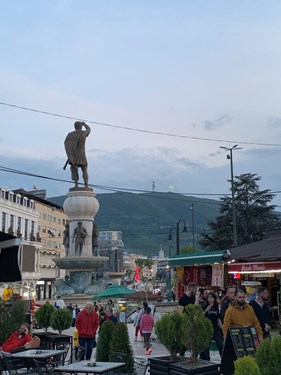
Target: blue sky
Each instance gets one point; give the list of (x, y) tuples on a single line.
[(206, 69)]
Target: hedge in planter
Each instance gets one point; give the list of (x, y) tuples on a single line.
[(102, 351), (43, 315), (196, 331), (61, 319), (120, 343), (246, 366), (268, 356), (169, 332)]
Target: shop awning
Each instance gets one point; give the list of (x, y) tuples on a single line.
[(9, 265), (196, 258)]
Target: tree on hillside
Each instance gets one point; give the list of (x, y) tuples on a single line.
[(254, 215)]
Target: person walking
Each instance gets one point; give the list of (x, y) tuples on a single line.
[(240, 314), (59, 304), (261, 309), (187, 298), (75, 313), (229, 297), (137, 323), (212, 313), (87, 324), (146, 326)]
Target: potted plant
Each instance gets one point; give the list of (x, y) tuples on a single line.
[(246, 366), (120, 348), (168, 330), (103, 342), (268, 356), (197, 331), (61, 319), (43, 315)]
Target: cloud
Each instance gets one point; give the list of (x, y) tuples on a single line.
[(274, 122), (219, 122)]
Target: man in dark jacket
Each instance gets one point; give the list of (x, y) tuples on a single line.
[(261, 309), (87, 324), (230, 297)]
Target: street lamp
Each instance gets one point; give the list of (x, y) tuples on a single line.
[(168, 282), (177, 228), (229, 156), (192, 221)]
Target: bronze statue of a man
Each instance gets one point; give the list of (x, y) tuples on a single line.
[(75, 149)]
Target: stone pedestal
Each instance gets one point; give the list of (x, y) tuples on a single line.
[(82, 206)]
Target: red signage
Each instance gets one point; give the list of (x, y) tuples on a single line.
[(254, 267)]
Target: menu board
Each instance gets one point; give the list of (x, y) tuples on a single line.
[(240, 341)]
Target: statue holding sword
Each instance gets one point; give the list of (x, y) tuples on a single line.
[(75, 149)]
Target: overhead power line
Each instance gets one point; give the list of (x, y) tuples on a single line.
[(139, 130)]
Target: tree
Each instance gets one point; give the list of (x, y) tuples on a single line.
[(11, 318), (43, 315), (144, 265), (254, 215), (104, 339), (61, 319)]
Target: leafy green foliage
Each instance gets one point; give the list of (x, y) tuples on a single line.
[(11, 318), (254, 215), (169, 332), (197, 330), (268, 356), (43, 315), (104, 338), (61, 319), (246, 366), (120, 343)]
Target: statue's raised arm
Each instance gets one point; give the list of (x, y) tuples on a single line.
[(75, 149)]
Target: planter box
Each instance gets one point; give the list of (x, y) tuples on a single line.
[(199, 368), (161, 365)]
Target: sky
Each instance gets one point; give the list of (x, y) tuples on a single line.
[(194, 75)]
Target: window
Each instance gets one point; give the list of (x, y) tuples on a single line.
[(18, 199), (25, 229), (38, 228), (50, 218), (49, 243), (44, 229), (59, 233), (54, 219), (19, 223), (44, 216), (12, 218), (59, 221), (63, 221), (4, 219)]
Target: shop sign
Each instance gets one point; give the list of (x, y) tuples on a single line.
[(217, 275), (254, 267), (263, 274)]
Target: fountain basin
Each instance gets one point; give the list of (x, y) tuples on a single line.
[(80, 263)]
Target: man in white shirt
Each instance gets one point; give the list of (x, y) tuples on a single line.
[(60, 303)]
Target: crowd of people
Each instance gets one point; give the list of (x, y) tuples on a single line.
[(230, 311)]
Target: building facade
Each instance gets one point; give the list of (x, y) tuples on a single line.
[(110, 245), (40, 225)]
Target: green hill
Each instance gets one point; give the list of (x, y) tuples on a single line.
[(145, 219)]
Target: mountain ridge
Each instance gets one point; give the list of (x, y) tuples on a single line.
[(145, 219)]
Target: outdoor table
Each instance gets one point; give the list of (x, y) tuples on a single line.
[(38, 354), (83, 367)]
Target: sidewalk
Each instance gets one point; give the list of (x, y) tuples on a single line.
[(158, 349)]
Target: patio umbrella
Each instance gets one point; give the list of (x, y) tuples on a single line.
[(113, 291)]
